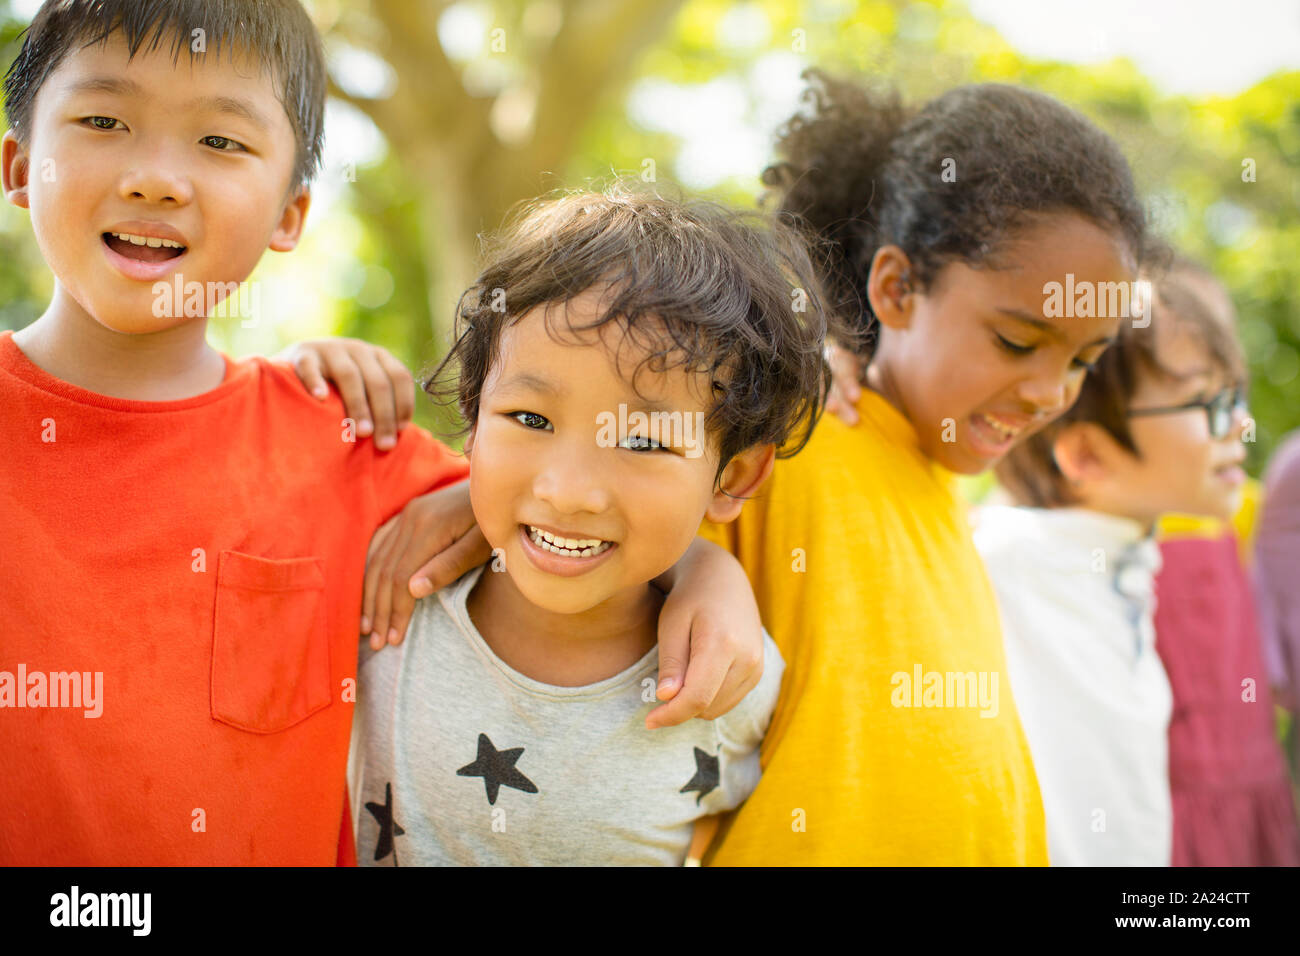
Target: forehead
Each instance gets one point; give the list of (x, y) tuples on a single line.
[(1061, 251), (179, 80), (548, 345), (1054, 244)]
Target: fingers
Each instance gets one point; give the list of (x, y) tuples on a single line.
[(674, 649), (845, 391), (403, 388), (374, 560), (838, 405), (740, 680), (352, 388), (381, 625), (307, 364), (705, 673), (381, 398), (466, 553)]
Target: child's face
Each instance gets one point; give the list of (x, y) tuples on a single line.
[(1181, 468), (199, 153), (550, 453), (977, 365)]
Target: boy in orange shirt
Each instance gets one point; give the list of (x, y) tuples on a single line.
[(178, 633)]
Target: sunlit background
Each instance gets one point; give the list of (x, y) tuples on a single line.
[(443, 115)]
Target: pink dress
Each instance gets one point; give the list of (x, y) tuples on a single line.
[(1232, 797)]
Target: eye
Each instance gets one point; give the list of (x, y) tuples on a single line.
[(1088, 367), (532, 420), (223, 143), (1013, 347), (105, 123), (642, 443)]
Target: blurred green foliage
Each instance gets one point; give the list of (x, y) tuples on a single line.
[(389, 232)]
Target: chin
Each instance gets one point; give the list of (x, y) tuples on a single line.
[(140, 321), (959, 463), (1227, 510), (547, 600)]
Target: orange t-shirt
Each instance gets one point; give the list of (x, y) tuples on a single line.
[(198, 565)]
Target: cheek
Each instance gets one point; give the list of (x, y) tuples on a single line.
[(664, 506), (494, 481), (1174, 451)]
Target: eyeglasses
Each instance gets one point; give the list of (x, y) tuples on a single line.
[(1219, 409)]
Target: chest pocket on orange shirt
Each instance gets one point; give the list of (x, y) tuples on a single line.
[(270, 650)]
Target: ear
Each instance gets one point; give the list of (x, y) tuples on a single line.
[(468, 448), (1085, 453), (289, 229), (890, 286), (17, 167), (740, 479)]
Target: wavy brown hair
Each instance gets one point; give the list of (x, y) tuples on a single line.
[(695, 284)]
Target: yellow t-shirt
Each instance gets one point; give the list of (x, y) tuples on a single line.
[(860, 552)]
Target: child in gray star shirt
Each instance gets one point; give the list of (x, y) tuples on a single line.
[(628, 366)]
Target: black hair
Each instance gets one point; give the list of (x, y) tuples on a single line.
[(696, 284), (946, 182), (278, 33)]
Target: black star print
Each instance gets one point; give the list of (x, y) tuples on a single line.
[(706, 776), (383, 814), (497, 767)]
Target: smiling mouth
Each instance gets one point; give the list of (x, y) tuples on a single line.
[(143, 248), (567, 547)]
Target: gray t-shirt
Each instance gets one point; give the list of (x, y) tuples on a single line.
[(459, 759)]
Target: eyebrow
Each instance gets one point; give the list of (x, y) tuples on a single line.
[(119, 86), (531, 382), (1053, 330), (107, 84), (232, 106)]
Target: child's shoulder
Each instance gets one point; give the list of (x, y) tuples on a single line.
[(286, 394), (433, 618)]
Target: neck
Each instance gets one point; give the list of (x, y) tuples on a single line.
[(566, 650), (881, 381), (1147, 522), (173, 364)]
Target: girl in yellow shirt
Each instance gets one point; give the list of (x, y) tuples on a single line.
[(977, 248)]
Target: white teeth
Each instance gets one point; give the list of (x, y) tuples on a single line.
[(997, 426), (152, 241), (567, 547)]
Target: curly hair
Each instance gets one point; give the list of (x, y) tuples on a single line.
[(946, 182), (694, 284)]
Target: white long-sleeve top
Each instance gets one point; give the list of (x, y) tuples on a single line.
[(1076, 591)]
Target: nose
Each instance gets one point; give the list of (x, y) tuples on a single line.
[(1048, 392), (569, 481), (156, 176)]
